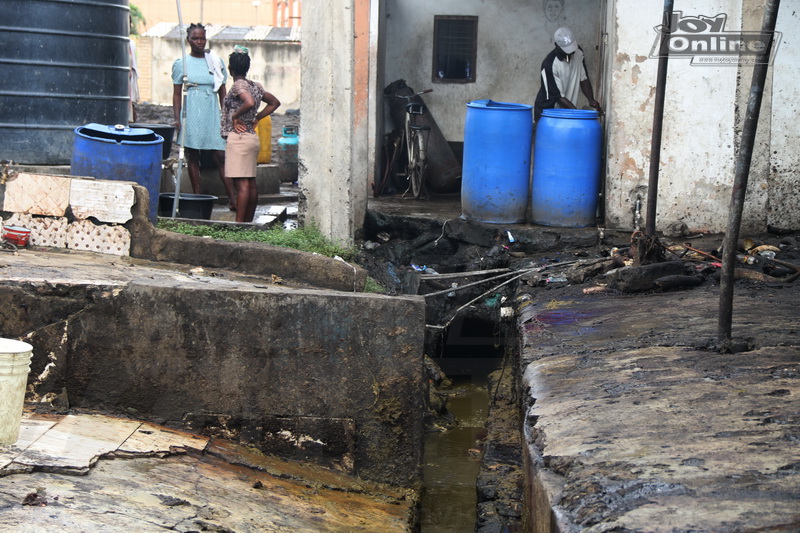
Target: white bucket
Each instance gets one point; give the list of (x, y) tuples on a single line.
[(15, 363)]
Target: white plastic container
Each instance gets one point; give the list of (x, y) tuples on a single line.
[(15, 364)]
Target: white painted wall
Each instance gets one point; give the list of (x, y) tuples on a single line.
[(514, 36), (701, 125), (276, 65), (784, 177)]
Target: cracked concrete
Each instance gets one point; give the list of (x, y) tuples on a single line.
[(633, 424), (90, 472)]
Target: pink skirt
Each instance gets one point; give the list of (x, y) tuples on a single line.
[(241, 153)]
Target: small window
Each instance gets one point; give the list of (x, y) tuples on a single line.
[(455, 45)]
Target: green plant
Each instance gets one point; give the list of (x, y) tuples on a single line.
[(306, 239), (370, 285), (136, 18)]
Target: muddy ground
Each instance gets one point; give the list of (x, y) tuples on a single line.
[(418, 256)]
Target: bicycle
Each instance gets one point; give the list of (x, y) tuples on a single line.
[(414, 137)]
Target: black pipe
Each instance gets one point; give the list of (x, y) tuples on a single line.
[(724, 329), (658, 119)]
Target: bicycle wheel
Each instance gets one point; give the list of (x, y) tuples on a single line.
[(416, 167)]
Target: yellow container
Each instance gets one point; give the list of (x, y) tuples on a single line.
[(264, 131)]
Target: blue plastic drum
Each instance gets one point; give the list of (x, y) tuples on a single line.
[(566, 168), (120, 153), (497, 162)]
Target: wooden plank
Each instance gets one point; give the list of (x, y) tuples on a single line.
[(107, 201), (76, 442), (452, 275)]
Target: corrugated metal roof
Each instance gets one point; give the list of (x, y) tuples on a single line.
[(258, 33), (170, 30), (159, 30)]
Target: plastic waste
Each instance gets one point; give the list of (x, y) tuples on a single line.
[(767, 254), (453, 293)]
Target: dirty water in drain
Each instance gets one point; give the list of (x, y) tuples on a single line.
[(453, 453), (452, 462)]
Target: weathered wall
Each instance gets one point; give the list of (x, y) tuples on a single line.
[(334, 166), (704, 112), (513, 38), (783, 209), (276, 65), (297, 372)]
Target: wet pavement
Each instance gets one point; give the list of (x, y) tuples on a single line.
[(634, 422), (90, 472)]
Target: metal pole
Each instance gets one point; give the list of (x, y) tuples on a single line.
[(724, 329), (658, 119), (181, 153)]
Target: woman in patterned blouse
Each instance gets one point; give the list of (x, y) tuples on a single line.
[(239, 118)]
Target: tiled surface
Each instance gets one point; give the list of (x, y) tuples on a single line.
[(105, 239), (106, 201), (37, 194)]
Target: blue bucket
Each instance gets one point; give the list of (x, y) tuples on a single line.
[(120, 153), (566, 168), (497, 162)]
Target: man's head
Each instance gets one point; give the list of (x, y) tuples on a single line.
[(565, 40)]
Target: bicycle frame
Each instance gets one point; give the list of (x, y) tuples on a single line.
[(413, 137)]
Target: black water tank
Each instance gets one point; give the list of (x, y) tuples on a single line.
[(64, 64)]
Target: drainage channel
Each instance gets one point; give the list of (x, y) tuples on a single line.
[(470, 351)]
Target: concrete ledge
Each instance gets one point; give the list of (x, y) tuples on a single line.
[(631, 425), (148, 242), (330, 377)]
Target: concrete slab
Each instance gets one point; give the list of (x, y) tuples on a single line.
[(633, 424), (216, 486), (293, 371)]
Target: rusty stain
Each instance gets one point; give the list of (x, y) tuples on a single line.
[(644, 105), (641, 59), (635, 71), (628, 164)]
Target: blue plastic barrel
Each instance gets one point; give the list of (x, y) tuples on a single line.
[(566, 168), (120, 153), (497, 162)]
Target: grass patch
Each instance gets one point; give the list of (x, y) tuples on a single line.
[(306, 239), (370, 285)]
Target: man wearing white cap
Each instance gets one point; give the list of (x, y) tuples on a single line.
[(563, 74)]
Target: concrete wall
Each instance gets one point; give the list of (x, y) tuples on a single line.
[(784, 163), (276, 65), (704, 112), (334, 165), (305, 370), (514, 36)]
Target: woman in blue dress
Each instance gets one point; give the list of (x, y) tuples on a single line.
[(206, 77)]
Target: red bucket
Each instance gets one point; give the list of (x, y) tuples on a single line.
[(17, 235)]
